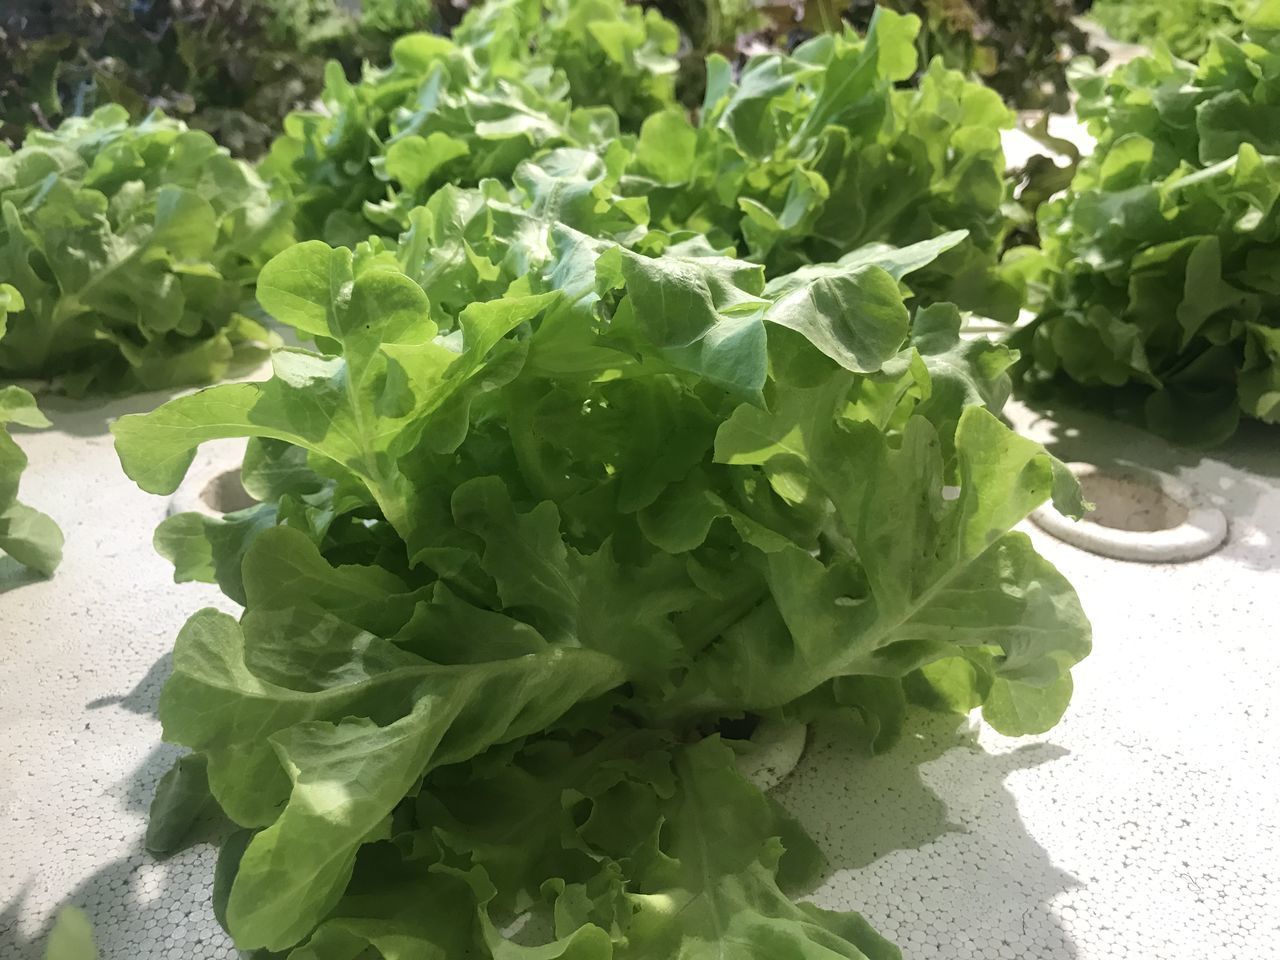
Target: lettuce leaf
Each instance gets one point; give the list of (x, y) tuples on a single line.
[(1021, 49), (71, 937), (26, 534), (549, 492)]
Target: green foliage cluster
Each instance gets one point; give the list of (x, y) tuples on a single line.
[(1158, 268), (1186, 27), (233, 68), (1020, 47), (134, 248), (517, 77), (800, 158)]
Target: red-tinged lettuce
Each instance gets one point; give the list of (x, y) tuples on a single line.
[(553, 494), (1021, 48), (1158, 267), (233, 68), (135, 248)]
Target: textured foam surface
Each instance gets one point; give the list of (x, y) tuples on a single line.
[(82, 659)]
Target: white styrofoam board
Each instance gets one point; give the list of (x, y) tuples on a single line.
[(82, 659)]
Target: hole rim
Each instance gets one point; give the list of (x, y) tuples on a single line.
[(208, 489), (225, 493), (1203, 530)]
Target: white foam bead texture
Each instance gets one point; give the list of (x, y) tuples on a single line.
[(82, 659)]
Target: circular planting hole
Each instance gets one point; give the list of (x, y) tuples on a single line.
[(225, 493), (213, 489), (1138, 514), (1128, 502)]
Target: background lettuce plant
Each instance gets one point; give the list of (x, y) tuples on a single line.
[(1185, 26), (517, 77), (134, 248), (1158, 266), (800, 159), (557, 491), (805, 157), (26, 534), (71, 937)]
